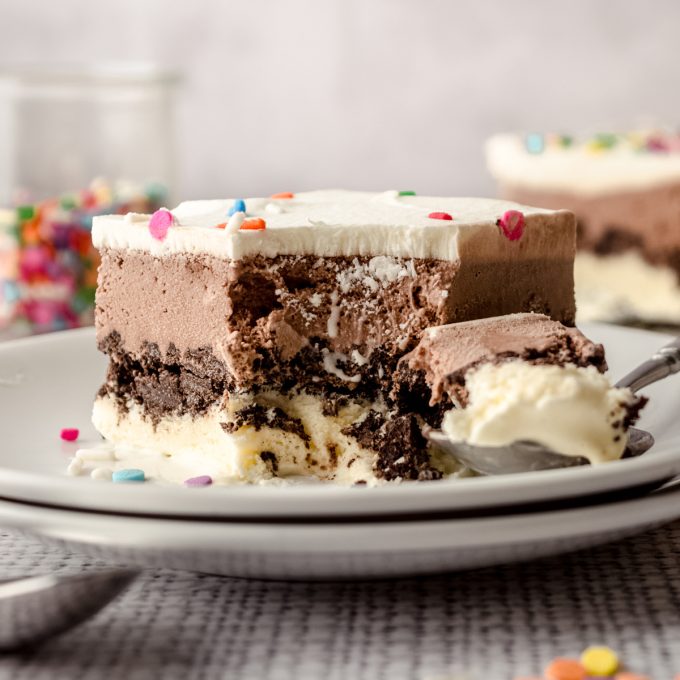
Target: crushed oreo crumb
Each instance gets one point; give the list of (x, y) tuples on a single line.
[(633, 411), (259, 416), (399, 443), (270, 460)]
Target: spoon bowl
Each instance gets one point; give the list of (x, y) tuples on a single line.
[(525, 456)]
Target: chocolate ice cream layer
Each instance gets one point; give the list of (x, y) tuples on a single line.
[(645, 220), (438, 364), (263, 319)]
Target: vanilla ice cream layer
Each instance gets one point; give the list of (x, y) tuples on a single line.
[(571, 410), (624, 287), (181, 447)]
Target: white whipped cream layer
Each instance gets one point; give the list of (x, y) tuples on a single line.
[(321, 223), (571, 410), (578, 169)]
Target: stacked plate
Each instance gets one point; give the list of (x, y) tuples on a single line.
[(316, 530)]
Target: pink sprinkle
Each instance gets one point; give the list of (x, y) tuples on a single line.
[(657, 143), (202, 480), (160, 222), (440, 216), (512, 224), (70, 434)]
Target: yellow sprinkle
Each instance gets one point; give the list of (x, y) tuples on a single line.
[(600, 661), (594, 147)]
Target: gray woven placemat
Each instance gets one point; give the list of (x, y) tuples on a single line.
[(483, 625)]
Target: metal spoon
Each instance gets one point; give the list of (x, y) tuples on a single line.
[(527, 456), (39, 607)]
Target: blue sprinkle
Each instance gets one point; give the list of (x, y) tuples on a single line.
[(129, 475), (10, 291), (534, 143), (239, 206)]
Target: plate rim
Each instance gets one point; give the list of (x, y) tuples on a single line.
[(105, 530)]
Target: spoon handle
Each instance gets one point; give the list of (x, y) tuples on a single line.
[(663, 363)]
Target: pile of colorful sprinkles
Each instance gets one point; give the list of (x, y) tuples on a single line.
[(48, 266)]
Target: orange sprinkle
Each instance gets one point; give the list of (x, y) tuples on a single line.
[(630, 676), (564, 669), (221, 225), (254, 223), (283, 194)]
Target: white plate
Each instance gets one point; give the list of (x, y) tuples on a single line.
[(339, 549), (49, 382)]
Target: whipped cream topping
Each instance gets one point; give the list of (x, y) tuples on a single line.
[(583, 168), (571, 410), (322, 223)]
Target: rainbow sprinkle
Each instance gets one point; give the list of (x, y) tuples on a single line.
[(128, 475), (511, 224), (69, 434), (534, 143), (201, 480), (253, 224), (160, 223), (238, 206)]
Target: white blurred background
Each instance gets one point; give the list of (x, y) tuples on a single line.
[(373, 94)]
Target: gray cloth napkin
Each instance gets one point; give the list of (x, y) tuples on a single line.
[(491, 624)]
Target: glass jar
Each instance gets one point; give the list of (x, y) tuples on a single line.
[(74, 142)]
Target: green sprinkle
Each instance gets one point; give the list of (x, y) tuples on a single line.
[(156, 193), (407, 193), (25, 212), (566, 140), (606, 140), (67, 203), (83, 299)]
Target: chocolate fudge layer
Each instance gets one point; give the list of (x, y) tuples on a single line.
[(280, 339), (625, 192)]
